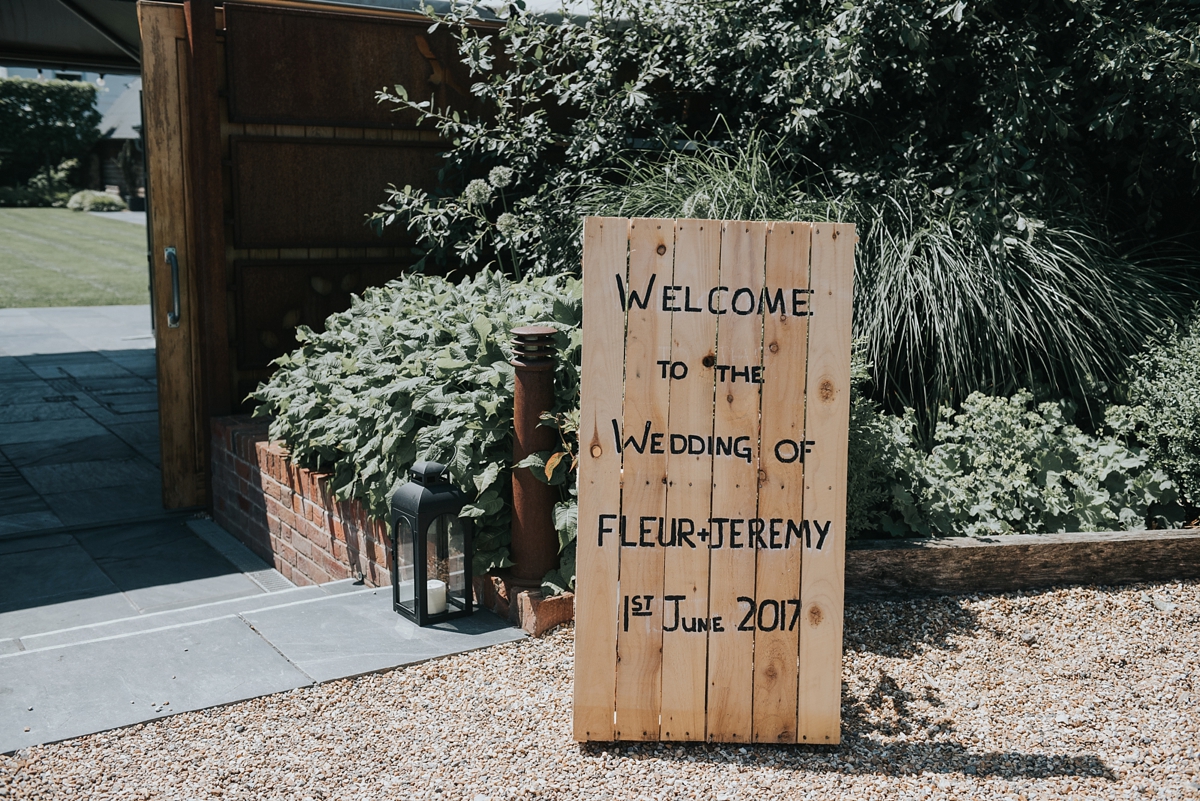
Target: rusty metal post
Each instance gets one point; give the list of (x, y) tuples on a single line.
[(534, 540)]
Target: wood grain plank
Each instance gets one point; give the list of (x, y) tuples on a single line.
[(735, 481), (605, 253), (781, 485), (884, 569), (644, 491), (689, 489), (165, 81), (827, 420)]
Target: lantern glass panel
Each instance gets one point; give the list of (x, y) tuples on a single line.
[(446, 562), (405, 564)]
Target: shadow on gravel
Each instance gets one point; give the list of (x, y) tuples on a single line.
[(903, 628), (862, 755)]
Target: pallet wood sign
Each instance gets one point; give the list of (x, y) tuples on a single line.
[(712, 480)]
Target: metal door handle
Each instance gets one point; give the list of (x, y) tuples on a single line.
[(173, 315)]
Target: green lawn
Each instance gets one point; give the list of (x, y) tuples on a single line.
[(57, 257)]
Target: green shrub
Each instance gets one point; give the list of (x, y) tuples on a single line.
[(880, 447), (87, 200), (419, 369), (1008, 466), (1165, 407), (49, 188)]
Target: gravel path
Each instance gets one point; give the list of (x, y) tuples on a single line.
[(1076, 693)]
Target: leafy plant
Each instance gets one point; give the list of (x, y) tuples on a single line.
[(558, 468), (1007, 466), (419, 369), (50, 188), (1165, 406), (87, 200)]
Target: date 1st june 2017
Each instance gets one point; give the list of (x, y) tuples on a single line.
[(769, 614)]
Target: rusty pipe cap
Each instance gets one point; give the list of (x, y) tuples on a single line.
[(533, 345)]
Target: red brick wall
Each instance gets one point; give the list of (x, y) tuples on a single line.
[(286, 514)]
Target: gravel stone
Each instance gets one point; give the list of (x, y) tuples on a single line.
[(943, 700)]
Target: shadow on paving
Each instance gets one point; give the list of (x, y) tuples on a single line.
[(78, 439), (52, 580)]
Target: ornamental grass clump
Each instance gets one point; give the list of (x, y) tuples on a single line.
[(419, 369)]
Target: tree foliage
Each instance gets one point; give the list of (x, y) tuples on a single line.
[(43, 124), (1008, 164)]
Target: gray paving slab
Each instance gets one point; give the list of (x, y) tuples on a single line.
[(39, 411), (164, 565), (355, 633), (139, 362), (20, 499), (17, 496), (139, 435), (85, 688), (10, 646), (73, 476), (32, 332), (24, 391), (28, 521), (11, 369), (37, 344), (35, 542), (136, 624), (135, 217), (129, 501), (85, 449), (38, 577), (74, 428), (106, 417), (239, 555), (65, 614)]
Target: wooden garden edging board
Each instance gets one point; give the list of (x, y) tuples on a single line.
[(712, 483), (889, 569)]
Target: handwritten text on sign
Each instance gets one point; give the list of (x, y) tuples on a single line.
[(714, 417)]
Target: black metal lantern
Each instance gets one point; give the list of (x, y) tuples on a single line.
[(431, 573)]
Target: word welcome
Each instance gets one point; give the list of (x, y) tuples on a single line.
[(760, 533), (721, 299)]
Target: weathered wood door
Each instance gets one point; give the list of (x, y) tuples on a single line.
[(266, 151), (182, 426)]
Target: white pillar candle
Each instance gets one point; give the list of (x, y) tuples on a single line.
[(435, 597)]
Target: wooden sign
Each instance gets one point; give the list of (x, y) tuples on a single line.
[(712, 480)]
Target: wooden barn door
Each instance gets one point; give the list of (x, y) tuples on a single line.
[(266, 212)]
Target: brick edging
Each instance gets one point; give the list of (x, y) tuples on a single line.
[(287, 514)]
